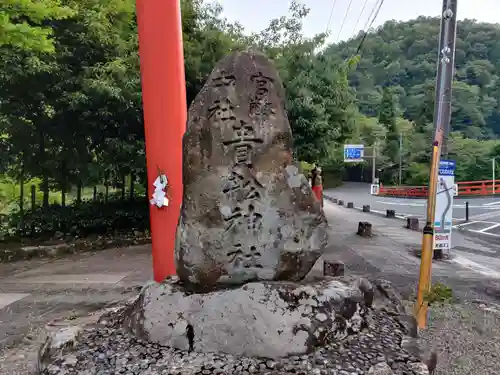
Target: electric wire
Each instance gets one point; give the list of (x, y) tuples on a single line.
[(359, 17), (330, 18), (381, 2), (343, 21)]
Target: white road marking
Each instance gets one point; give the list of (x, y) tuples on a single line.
[(487, 233), (8, 298), (491, 203), (469, 223), (488, 228), (424, 204), (476, 267)]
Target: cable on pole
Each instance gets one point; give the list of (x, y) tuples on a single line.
[(359, 17), (330, 18), (371, 23), (343, 21)]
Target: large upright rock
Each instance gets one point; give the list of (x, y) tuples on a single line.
[(247, 212)]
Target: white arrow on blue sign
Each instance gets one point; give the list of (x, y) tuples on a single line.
[(354, 153)]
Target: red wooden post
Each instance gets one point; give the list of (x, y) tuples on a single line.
[(165, 113)]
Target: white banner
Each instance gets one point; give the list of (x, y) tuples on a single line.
[(443, 219)]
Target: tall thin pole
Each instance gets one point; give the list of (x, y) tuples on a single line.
[(441, 122), (493, 165), (374, 164), (446, 58), (400, 157), (165, 113)]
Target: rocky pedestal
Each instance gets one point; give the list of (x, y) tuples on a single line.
[(248, 213), (264, 319)]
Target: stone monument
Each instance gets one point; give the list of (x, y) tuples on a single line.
[(247, 213), (250, 231)]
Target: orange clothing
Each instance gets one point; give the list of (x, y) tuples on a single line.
[(318, 192)]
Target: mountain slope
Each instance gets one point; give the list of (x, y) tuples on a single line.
[(404, 55)]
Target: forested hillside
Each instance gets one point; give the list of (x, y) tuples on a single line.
[(403, 55)]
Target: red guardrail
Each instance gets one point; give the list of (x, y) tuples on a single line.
[(465, 188)]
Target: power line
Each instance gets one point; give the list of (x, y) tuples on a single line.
[(369, 27), (343, 21), (371, 15), (359, 17), (330, 18)]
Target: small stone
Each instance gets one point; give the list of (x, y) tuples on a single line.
[(380, 369)]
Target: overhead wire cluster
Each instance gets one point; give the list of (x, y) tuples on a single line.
[(368, 24)]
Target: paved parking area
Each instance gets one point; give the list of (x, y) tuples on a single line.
[(490, 228), (484, 212)]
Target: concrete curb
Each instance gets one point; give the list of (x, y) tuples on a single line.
[(401, 217), (375, 212), (53, 251)]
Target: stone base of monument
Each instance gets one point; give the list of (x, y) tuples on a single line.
[(264, 319), (334, 326)]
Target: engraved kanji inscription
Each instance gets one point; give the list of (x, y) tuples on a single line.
[(224, 80), (242, 257), (222, 112), (243, 141), (247, 219), (241, 185), (259, 103)]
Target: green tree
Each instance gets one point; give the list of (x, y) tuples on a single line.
[(387, 117), (23, 23)]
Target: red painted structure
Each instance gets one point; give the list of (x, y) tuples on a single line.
[(465, 188), (165, 114)]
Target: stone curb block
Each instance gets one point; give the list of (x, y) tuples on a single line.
[(364, 229), (333, 268), (30, 252)]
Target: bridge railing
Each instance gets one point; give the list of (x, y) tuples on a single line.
[(465, 188)]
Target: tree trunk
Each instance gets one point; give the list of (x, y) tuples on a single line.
[(123, 187), (106, 185), (79, 193), (21, 198), (33, 197), (63, 184), (94, 195), (132, 186), (63, 196), (45, 173)]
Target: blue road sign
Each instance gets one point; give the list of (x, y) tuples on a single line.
[(353, 153), (447, 167)]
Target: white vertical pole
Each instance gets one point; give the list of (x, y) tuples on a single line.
[(400, 157), (493, 165)]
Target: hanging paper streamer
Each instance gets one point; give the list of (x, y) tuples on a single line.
[(159, 198)]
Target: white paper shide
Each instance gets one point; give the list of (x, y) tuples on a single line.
[(159, 198)]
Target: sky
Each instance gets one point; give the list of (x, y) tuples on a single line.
[(255, 15)]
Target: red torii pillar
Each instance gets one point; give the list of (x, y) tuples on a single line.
[(165, 114)]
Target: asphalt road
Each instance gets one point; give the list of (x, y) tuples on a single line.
[(484, 213)]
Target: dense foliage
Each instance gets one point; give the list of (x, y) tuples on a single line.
[(401, 57), (70, 96)]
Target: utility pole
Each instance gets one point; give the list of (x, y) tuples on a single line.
[(446, 69), (442, 126), (493, 167), (400, 157), (374, 161)]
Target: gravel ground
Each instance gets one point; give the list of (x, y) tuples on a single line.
[(466, 337), (107, 350)]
